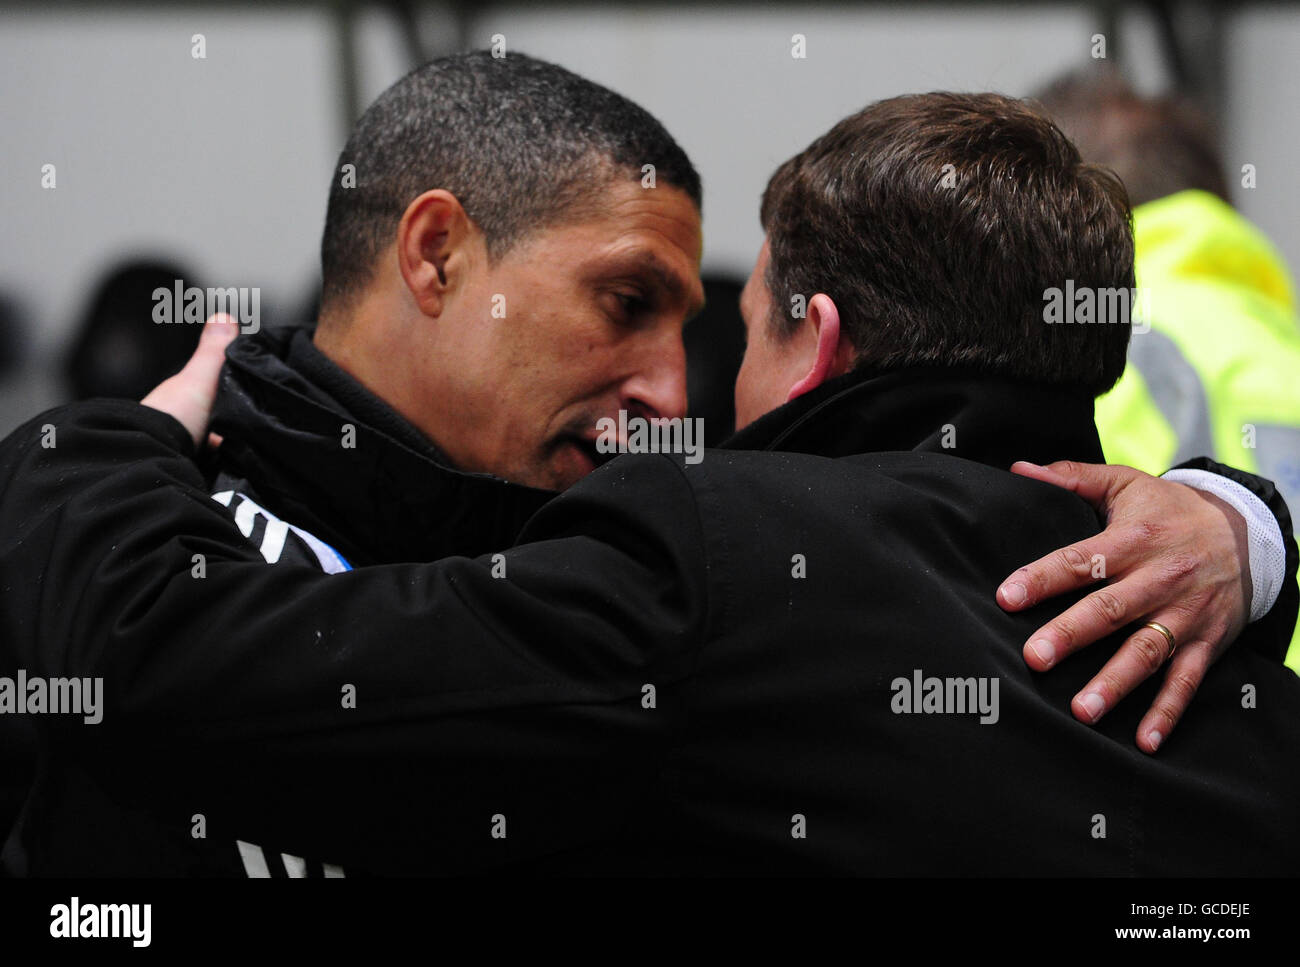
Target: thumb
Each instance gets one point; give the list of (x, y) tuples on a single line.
[(188, 396), (1096, 483)]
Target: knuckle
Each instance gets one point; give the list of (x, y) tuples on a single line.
[(1067, 631), (1182, 685), (1201, 595), (1109, 607), (1180, 567), (1074, 560), (1168, 711), (1112, 685), (1143, 533), (1198, 616), (1149, 649)]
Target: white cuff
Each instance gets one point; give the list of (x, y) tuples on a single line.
[(1263, 535)]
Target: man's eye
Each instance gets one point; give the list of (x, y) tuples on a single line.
[(631, 304)]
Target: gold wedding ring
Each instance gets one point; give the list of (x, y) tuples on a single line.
[(1169, 636)]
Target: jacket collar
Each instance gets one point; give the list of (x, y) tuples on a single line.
[(283, 410), (960, 413)]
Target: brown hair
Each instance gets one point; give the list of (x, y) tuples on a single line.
[(1157, 145), (938, 223)]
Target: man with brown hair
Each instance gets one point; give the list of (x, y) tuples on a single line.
[(782, 658)]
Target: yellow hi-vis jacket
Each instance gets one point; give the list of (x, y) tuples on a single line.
[(1218, 372)]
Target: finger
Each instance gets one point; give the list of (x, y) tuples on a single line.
[(188, 396), (1033, 471), (1102, 613), (1186, 672), (1144, 654), (1069, 568), (1096, 483), (214, 441), (218, 332)]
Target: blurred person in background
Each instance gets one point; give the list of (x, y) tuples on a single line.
[(1217, 371), (118, 350)]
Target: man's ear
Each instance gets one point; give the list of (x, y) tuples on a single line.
[(432, 247), (835, 355)]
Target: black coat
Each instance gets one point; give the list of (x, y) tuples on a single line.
[(285, 412), (679, 668)]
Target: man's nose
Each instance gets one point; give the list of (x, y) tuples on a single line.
[(658, 390)]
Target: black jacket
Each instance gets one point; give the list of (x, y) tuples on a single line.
[(679, 668), (298, 494), (285, 412)]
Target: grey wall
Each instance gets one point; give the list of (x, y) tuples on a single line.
[(224, 162)]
